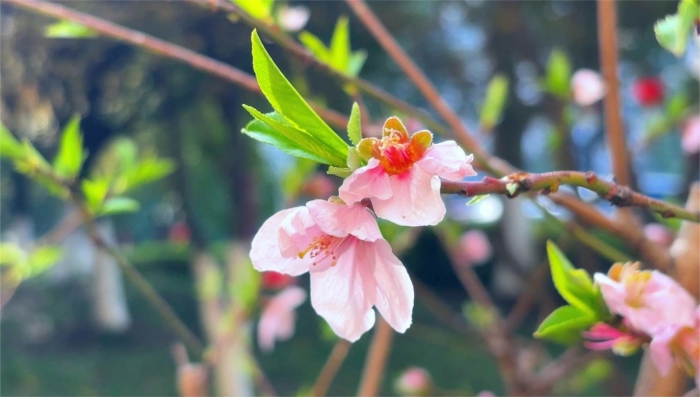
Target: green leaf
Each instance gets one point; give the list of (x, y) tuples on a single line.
[(149, 169), (476, 199), (41, 259), (95, 191), (287, 101), (355, 159), (355, 124), (258, 9), (66, 29), (677, 106), (273, 129), (70, 151), (340, 45), (496, 96), (672, 32), (315, 45), (339, 171), (119, 205), (575, 285), (558, 74), (10, 148), (11, 254), (245, 284), (565, 325), (294, 178), (357, 61)]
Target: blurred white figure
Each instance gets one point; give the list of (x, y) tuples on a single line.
[(110, 308), (292, 18), (587, 87), (518, 239)]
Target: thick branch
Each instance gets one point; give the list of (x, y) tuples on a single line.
[(614, 129), (549, 182)]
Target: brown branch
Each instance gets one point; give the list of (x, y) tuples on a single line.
[(570, 361), (331, 368), (163, 48), (548, 182), (373, 371), (615, 130)]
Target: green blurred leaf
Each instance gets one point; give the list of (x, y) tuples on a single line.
[(677, 106), (66, 29), (95, 191), (287, 102), (245, 284), (672, 32), (211, 283), (356, 62), (10, 148), (355, 124), (295, 177), (565, 325), (273, 129), (118, 205), (476, 199), (315, 45), (575, 285), (147, 170), (41, 259), (479, 315), (340, 45), (496, 96), (258, 9), (11, 254), (70, 155), (558, 74)]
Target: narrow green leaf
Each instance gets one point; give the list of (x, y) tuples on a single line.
[(339, 171), (148, 169), (11, 254), (10, 148), (574, 285), (315, 45), (70, 156), (356, 62), (66, 29), (119, 205), (340, 45), (558, 74), (287, 101), (496, 96), (41, 259), (476, 199), (95, 191), (273, 130), (565, 325), (258, 9), (355, 124)]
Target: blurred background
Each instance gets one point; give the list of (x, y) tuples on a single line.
[(79, 330)]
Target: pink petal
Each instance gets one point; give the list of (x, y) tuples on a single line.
[(277, 319), (613, 294), (394, 298), (366, 182), (340, 220), (265, 250), (691, 135), (660, 349), (587, 87), (416, 200), (343, 294), (448, 161)]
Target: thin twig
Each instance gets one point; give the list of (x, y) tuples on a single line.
[(373, 370), (331, 368), (570, 361), (548, 182), (163, 48), (614, 128)]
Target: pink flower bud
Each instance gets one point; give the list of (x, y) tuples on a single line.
[(274, 280), (474, 247), (415, 381), (179, 233), (485, 393), (691, 135), (587, 87), (659, 233), (648, 91)]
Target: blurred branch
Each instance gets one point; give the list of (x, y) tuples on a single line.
[(161, 47), (615, 130), (373, 370), (548, 182), (570, 361), (331, 368)]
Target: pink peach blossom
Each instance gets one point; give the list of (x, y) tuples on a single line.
[(648, 300), (691, 135), (680, 344), (474, 247), (414, 381), (603, 337), (352, 267), (402, 175), (485, 393), (659, 233), (587, 87), (278, 317)]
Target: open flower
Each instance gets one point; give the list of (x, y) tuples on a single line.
[(648, 300), (402, 176), (352, 267), (278, 317)]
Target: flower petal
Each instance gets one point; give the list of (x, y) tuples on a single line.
[(448, 161), (366, 182), (340, 220), (394, 298), (265, 250), (416, 200), (277, 319), (660, 348), (343, 294)]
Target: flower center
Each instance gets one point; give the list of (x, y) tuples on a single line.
[(322, 248), (634, 280)]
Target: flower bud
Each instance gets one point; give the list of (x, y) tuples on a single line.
[(274, 280), (179, 233), (474, 247), (587, 87), (648, 91), (415, 381), (659, 233)]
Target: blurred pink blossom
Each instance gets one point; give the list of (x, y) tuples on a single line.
[(319, 186), (292, 18), (680, 344), (659, 233), (474, 247), (587, 87), (648, 300), (603, 337), (415, 381), (352, 267), (402, 177), (691, 135), (278, 317), (485, 393), (274, 280)]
